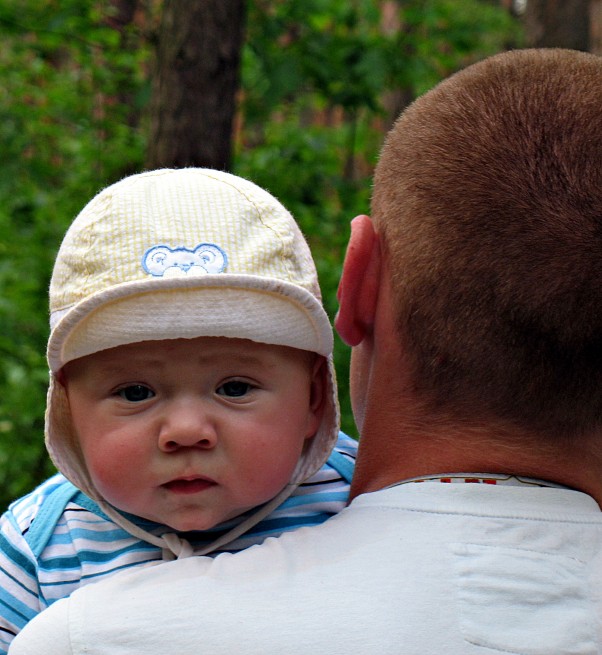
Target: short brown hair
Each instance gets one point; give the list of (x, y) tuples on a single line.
[(488, 194)]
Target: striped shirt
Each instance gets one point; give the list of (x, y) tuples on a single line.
[(56, 539)]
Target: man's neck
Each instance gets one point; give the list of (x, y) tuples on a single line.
[(389, 456)]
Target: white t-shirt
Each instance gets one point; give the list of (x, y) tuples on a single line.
[(417, 569)]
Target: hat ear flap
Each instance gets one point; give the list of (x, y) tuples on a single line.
[(61, 439)]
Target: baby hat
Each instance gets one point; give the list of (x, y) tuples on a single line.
[(183, 253)]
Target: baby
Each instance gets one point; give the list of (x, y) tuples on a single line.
[(192, 404)]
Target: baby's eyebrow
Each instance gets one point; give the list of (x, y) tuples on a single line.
[(130, 366), (236, 359)]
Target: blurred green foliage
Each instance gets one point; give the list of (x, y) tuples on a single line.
[(316, 80)]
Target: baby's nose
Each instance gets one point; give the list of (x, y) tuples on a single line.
[(189, 425)]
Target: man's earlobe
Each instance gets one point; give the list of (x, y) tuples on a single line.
[(358, 288)]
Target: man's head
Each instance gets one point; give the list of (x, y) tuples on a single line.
[(488, 200)]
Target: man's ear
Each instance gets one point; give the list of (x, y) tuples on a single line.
[(358, 288)]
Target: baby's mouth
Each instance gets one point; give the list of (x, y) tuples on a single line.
[(188, 485)]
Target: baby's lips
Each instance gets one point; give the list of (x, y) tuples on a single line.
[(189, 485)]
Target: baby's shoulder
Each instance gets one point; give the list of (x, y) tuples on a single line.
[(24, 510), (346, 445)]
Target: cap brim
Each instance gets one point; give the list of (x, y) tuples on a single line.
[(235, 306)]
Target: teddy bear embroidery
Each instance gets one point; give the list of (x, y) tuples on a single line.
[(204, 259)]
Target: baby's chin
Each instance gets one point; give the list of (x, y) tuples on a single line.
[(201, 522)]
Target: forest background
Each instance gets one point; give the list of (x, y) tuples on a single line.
[(296, 95)]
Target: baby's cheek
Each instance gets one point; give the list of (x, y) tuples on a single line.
[(268, 474), (114, 471)]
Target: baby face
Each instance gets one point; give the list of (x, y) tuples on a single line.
[(191, 432)]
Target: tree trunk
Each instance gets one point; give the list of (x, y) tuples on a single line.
[(195, 83), (595, 15), (558, 24), (122, 13)]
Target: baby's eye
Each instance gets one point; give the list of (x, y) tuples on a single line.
[(234, 388), (136, 393)]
